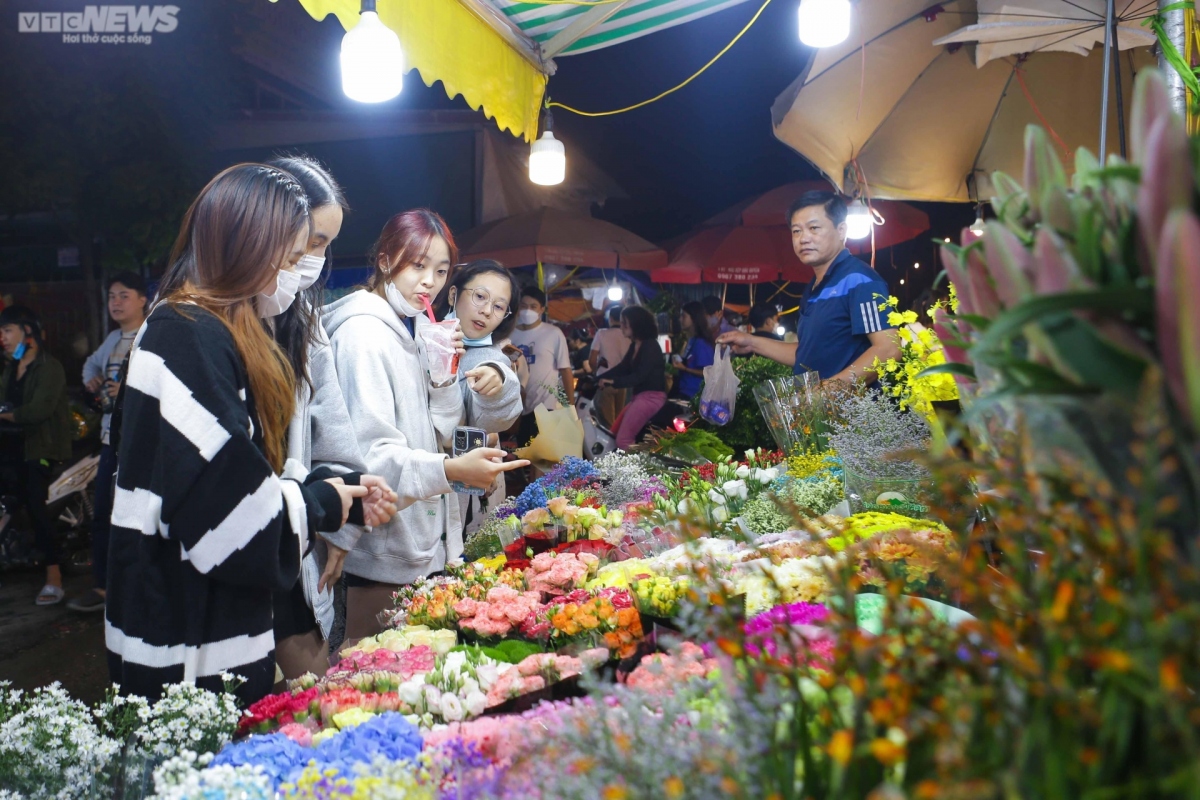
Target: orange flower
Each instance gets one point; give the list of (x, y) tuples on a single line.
[(841, 747), (614, 792), (887, 752), (673, 787), (1168, 675)]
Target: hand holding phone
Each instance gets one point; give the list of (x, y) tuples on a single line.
[(467, 439)]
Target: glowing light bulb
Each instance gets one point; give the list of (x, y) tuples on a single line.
[(917, 265), (372, 59), (947, 238), (547, 161), (780, 330), (858, 220), (824, 23), (902, 281), (615, 293), (977, 227)]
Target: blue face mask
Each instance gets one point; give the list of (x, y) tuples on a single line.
[(483, 341)]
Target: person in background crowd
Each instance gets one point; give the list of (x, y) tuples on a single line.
[(102, 374), (764, 319), (545, 348), (578, 344), (843, 327), (320, 434), (642, 371), (714, 307), (608, 349), (34, 387), (697, 354), (402, 423), (204, 529), (480, 297)]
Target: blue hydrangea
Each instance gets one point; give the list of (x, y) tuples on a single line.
[(388, 734), (538, 493), (280, 758)]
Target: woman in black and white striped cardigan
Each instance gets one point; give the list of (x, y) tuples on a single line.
[(203, 529)]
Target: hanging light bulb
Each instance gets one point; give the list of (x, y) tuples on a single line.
[(615, 293), (917, 265), (780, 330), (547, 157), (858, 220), (902, 281), (977, 227), (824, 23), (372, 59)]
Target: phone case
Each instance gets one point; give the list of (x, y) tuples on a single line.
[(465, 440)]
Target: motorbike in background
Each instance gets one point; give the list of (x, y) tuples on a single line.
[(598, 436)]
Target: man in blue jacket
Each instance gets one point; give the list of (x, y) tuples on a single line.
[(843, 327)]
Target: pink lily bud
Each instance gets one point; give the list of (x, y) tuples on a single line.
[(1177, 285)]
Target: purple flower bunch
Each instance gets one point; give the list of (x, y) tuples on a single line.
[(763, 629), (539, 493)]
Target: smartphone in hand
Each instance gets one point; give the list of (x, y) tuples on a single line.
[(467, 439)]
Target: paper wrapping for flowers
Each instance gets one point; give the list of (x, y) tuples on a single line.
[(560, 434)]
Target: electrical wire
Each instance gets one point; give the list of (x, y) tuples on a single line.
[(673, 89)]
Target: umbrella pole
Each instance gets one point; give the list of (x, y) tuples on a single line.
[(1116, 59), (1109, 13)]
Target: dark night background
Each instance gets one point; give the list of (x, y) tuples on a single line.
[(103, 146)]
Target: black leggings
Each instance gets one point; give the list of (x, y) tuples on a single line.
[(33, 486)]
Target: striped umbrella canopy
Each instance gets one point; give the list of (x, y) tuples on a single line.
[(570, 29)]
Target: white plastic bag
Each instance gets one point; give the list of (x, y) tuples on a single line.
[(719, 398)]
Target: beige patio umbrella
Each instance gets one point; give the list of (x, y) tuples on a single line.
[(1007, 28), (929, 124)]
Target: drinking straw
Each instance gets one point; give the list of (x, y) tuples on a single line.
[(429, 309)]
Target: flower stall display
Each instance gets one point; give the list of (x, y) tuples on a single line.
[(502, 611), (455, 690), (871, 436), (554, 574), (541, 670), (906, 378), (663, 672)]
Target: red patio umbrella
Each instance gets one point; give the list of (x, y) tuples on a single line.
[(552, 236), (902, 222), (733, 254)]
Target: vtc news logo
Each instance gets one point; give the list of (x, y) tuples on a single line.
[(102, 24)]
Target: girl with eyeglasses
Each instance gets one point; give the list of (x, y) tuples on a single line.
[(481, 297)]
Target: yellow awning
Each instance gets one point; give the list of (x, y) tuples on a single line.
[(445, 41)]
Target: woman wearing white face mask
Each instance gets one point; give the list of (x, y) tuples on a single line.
[(205, 529), (404, 423), (320, 435)]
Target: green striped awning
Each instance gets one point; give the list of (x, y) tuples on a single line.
[(629, 21)]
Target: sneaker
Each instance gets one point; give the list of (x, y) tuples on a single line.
[(87, 602), (49, 595)]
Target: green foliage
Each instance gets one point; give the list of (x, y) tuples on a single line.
[(693, 446)]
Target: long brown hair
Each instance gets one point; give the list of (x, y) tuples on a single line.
[(405, 240), (236, 234)]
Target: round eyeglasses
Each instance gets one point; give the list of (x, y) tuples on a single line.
[(482, 298)]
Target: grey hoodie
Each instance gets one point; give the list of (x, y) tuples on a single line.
[(402, 426), (497, 413), (321, 436)]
